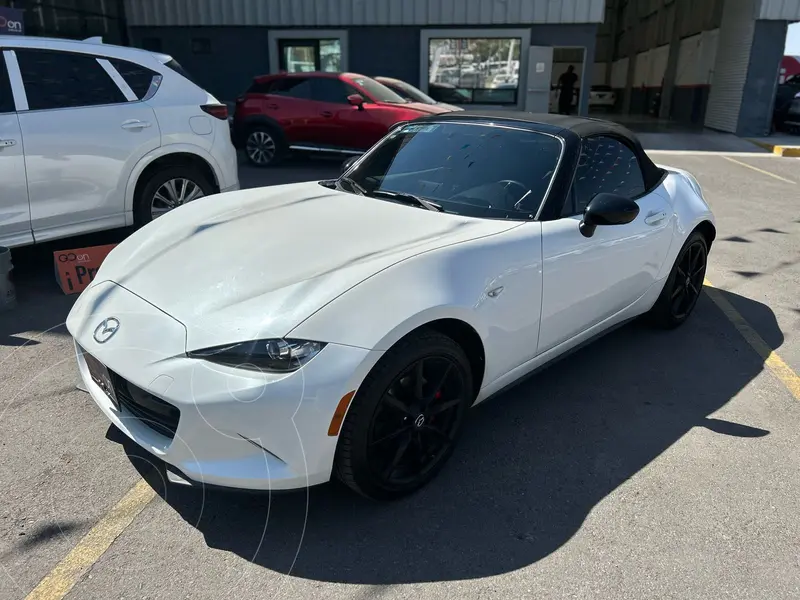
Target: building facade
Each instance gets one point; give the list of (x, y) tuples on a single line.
[(713, 63), (491, 52), (74, 19)]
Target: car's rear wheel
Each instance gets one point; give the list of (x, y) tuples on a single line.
[(684, 284), (406, 417), (264, 146), (168, 189)]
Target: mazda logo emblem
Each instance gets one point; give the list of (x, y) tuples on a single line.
[(106, 330)]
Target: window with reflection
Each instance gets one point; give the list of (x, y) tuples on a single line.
[(474, 70)]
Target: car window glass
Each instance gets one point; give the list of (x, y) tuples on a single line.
[(378, 91), (293, 87), (138, 78), (259, 87), (6, 99), (326, 89), (605, 165), (65, 80), (474, 170)]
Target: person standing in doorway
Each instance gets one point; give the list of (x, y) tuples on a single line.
[(566, 86)]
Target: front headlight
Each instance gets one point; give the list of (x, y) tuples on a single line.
[(274, 355)]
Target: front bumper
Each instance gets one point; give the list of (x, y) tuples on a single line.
[(237, 428)]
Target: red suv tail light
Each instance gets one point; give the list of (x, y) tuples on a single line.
[(220, 111)]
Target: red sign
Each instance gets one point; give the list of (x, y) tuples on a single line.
[(75, 269)]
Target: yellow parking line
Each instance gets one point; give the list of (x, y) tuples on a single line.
[(774, 362), (738, 162), (93, 545)]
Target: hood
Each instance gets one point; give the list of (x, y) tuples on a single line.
[(255, 263)]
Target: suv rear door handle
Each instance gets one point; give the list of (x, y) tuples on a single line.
[(135, 124), (326, 113), (272, 106), (7, 143)]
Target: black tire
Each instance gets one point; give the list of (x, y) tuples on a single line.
[(264, 146), (143, 202), (374, 412), (682, 290)]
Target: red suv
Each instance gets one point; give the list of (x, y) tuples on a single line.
[(342, 113)]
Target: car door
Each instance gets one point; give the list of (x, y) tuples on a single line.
[(15, 216), (83, 135), (329, 96), (587, 280), (289, 102)]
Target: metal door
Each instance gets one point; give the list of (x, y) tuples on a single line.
[(540, 67)]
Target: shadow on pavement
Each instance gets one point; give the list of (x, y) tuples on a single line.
[(41, 305), (530, 467)]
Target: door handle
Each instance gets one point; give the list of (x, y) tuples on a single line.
[(273, 106), (7, 143), (326, 113), (134, 124), (655, 217)]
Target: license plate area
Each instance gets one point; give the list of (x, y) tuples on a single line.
[(100, 375)]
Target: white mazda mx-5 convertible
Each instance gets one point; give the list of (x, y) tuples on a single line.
[(274, 338)]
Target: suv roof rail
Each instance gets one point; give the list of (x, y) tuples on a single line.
[(94, 40)]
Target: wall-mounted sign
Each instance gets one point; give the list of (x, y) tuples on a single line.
[(11, 21)]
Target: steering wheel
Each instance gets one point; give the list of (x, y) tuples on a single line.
[(506, 183)]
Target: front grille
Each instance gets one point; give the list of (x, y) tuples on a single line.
[(158, 415)]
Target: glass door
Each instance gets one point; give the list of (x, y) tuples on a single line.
[(303, 56)]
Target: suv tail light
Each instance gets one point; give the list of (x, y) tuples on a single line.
[(220, 111)]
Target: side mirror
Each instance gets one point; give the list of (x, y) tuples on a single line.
[(356, 100), (607, 209), (348, 163)]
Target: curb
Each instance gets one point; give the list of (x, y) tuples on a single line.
[(789, 151)]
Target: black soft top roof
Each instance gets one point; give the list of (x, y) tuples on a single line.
[(567, 127)]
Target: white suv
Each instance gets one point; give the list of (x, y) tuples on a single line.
[(94, 136)]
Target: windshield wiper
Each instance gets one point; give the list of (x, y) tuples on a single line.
[(357, 187), (409, 199)]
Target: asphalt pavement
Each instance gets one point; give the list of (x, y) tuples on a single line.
[(648, 465)]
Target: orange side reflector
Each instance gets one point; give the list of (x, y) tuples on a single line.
[(339, 413)]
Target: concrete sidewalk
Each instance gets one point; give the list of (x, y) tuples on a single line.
[(698, 141), (781, 144)]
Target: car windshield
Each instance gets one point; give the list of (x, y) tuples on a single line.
[(409, 91), (377, 91), (470, 169)]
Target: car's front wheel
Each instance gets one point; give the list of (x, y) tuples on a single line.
[(406, 417), (168, 189), (684, 284)]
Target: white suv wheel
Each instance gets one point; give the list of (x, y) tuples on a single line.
[(172, 194)]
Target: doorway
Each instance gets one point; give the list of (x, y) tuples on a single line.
[(563, 59)]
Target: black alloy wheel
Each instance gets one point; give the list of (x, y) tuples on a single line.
[(416, 422), (406, 417), (683, 286), (691, 272)]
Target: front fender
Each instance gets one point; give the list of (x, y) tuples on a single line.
[(448, 283), (160, 152)]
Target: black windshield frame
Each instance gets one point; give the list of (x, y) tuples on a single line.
[(467, 205)]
